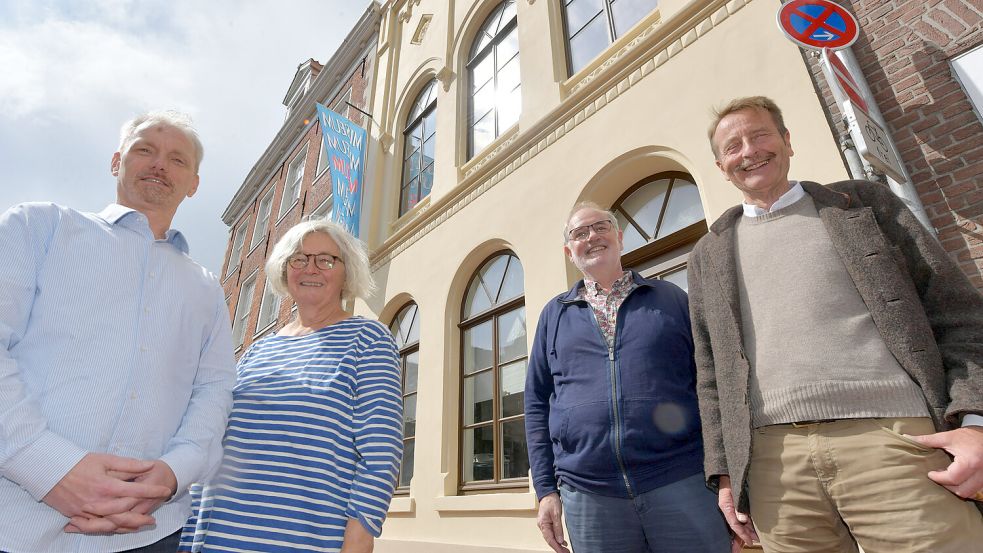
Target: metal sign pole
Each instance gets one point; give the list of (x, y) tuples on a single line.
[(902, 187)]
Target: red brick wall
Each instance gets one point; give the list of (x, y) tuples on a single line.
[(314, 189), (904, 50)]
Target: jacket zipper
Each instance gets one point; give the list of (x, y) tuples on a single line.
[(617, 422), (614, 392)]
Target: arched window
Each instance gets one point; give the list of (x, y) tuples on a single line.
[(591, 25), (418, 149), (493, 367), (493, 70), (661, 217), (406, 329)]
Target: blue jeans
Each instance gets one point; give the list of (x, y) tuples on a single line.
[(681, 517)]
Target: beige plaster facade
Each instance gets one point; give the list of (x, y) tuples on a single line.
[(640, 108)]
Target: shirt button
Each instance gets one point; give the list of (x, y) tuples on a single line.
[(133, 395), (153, 275), (143, 348)]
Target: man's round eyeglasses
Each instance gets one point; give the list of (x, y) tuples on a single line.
[(323, 261), (580, 234)]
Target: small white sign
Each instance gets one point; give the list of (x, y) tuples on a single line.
[(872, 142)]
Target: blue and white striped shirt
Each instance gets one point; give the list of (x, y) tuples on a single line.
[(112, 342), (314, 439)]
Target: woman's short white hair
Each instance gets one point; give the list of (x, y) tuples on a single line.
[(353, 253), (176, 119)]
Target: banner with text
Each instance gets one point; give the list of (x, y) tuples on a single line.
[(345, 145)]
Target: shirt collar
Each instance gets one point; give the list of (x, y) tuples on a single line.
[(116, 214), (794, 194), (595, 288)]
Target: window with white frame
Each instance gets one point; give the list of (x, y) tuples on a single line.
[(235, 256), (322, 158), (262, 218), (342, 107), (969, 70), (322, 211), (269, 307), (243, 307), (493, 73), (291, 189)]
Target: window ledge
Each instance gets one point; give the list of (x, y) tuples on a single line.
[(232, 272), (256, 245), (279, 218), (614, 52), (405, 218), (487, 502), (264, 330), (405, 504), (496, 147)]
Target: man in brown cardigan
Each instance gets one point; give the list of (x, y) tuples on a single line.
[(838, 352)]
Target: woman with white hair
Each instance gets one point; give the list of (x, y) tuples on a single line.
[(314, 441)]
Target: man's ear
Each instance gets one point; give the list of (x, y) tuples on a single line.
[(114, 164), (194, 188)]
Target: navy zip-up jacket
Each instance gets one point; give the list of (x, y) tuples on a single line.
[(616, 422)]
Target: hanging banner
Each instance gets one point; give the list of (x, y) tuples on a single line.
[(344, 142)]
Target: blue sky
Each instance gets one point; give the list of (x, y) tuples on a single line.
[(74, 71)]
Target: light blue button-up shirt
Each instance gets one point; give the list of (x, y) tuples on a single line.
[(111, 341)]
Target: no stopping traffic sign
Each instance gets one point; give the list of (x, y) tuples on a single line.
[(817, 24)]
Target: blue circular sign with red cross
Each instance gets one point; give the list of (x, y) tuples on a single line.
[(818, 24)]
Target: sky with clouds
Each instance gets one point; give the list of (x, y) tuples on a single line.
[(74, 70)]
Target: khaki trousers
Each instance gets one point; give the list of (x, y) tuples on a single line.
[(825, 487)]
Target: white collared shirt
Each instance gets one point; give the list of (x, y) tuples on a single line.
[(793, 195)]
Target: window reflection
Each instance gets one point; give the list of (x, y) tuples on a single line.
[(494, 357), (419, 142), (405, 328), (592, 25), (658, 207), (496, 99)]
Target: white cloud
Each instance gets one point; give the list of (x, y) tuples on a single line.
[(74, 71)]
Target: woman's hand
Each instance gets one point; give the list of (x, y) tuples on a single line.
[(357, 538)]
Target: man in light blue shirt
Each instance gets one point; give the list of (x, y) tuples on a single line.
[(116, 361)]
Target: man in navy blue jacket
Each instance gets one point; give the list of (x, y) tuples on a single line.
[(612, 423)]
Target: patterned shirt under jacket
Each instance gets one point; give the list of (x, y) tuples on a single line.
[(606, 304)]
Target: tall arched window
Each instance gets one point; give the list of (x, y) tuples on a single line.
[(493, 367), (591, 25), (418, 149), (406, 329), (662, 217), (493, 68)]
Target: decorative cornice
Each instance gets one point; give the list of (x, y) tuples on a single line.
[(505, 142), (621, 53), (655, 45)]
